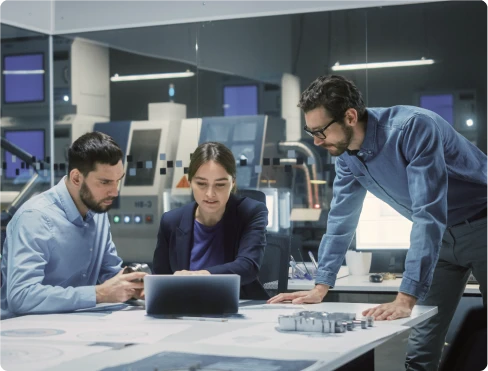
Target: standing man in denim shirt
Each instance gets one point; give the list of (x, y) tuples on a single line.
[(415, 161), (58, 255)]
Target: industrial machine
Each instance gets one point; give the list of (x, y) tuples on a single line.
[(157, 155), (149, 148), (247, 137), (81, 98), (34, 185), (156, 151)]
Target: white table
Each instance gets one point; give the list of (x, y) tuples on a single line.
[(65, 341), (362, 284)]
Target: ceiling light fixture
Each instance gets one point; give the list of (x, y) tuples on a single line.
[(364, 66), (152, 76), (23, 72)]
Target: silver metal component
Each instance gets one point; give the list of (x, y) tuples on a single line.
[(370, 321), (349, 325), (362, 322), (287, 323), (311, 321)]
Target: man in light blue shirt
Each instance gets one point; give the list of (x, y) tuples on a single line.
[(416, 162), (58, 255)]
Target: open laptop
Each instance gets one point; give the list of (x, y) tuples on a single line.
[(215, 294)]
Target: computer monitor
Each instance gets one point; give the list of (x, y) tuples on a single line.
[(31, 141), (442, 104), (143, 150), (23, 78), (240, 100), (243, 135), (381, 227)]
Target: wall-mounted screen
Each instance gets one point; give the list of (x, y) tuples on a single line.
[(442, 104), (23, 78), (241, 100), (143, 151), (243, 135), (31, 141)]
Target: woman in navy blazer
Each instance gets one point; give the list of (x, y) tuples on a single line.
[(219, 233)]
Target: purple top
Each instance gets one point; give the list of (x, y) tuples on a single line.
[(208, 246)]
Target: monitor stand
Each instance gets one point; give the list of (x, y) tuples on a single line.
[(388, 261)]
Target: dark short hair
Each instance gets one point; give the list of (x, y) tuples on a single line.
[(213, 151), (336, 94), (90, 149)]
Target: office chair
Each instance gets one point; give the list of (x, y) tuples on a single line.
[(468, 349), (274, 268), (252, 193)]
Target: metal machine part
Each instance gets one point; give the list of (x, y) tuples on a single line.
[(311, 321), (303, 148), (137, 267)]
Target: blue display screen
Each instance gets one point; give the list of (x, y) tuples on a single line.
[(23, 77), (31, 141), (443, 105), (241, 100)]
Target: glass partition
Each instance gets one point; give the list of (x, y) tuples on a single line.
[(162, 90), (454, 85), (251, 74), (139, 86), (25, 128)]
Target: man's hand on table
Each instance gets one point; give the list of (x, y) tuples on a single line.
[(401, 307), (316, 295)]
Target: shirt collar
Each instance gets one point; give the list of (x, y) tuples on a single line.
[(69, 205), (369, 143)]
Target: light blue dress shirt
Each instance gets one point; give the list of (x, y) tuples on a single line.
[(53, 258), (418, 164)]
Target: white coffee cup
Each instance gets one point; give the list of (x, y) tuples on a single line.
[(358, 262)]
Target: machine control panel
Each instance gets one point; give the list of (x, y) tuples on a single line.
[(134, 227)]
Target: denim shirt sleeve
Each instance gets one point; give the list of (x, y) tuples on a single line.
[(31, 235), (346, 206), (427, 183), (112, 263)]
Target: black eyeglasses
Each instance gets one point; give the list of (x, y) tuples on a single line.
[(319, 133)]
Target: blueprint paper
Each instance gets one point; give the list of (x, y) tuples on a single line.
[(30, 356)]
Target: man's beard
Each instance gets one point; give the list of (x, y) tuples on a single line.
[(341, 147), (89, 201)]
